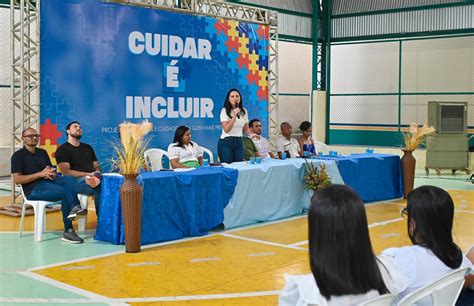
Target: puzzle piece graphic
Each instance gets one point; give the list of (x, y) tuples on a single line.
[(232, 44), (253, 97), (253, 62), (232, 63), (262, 63), (262, 94), (243, 61), (263, 81), (253, 45), (232, 31), (210, 27), (262, 32), (221, 26), (244, 28), (49, 131), (263, 48), (221, 44), (243, 45), (252, 77), (51, 149), (243, 72)]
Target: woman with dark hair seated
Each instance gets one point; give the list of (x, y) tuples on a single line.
[(183, 153), (345, 269), (305, 141), (430, 213)]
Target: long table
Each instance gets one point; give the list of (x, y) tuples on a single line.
[(175, 204), (179, 204), (374, 177), (272, 190)]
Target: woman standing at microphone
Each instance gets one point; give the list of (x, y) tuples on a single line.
[(234, 120)]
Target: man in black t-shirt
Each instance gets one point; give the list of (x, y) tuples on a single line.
[(32, 168), (78, 159)]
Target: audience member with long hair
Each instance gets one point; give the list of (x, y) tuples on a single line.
[(183, 153), (345, 270), (429, 213)]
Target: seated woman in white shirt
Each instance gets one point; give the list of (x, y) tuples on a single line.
[(429, 214), (345, 270), (183, 153)]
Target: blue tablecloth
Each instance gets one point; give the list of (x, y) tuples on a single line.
[(272, 190), (374, 177), (175, 204)]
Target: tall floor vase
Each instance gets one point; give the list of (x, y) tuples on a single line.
[(131, 196), (408, 172)]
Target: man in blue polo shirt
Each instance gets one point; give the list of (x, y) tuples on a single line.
[(32, 168)]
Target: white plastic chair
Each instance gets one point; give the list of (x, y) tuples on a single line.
[(321, 147), (381, 300), (208, 152), (443, 291), (154, 158), (39, 208), (84, 200)]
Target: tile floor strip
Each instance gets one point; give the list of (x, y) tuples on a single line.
[(37, 301), (78, 291), (200, 297)]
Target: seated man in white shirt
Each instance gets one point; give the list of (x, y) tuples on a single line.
[(262, 144), (287, 144)]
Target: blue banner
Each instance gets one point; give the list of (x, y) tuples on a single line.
[(104, 63)]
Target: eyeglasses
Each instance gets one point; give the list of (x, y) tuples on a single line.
[(32, 136), (404, 213)]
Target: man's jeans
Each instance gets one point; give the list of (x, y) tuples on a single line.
[(83, 188), (63, 189)]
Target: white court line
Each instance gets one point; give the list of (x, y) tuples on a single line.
[(265, 242), (54, 301), (381, 223), (75, 290), (375, 224), (260, 224), (299, 243), (201, 297), (465, 211)]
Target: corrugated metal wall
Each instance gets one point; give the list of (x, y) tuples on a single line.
[(289, 24), (449, 18), (302, 6), (340, 7), (429, 20)]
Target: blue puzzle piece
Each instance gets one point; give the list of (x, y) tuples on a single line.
[(262, 62), (232, 63), (210, 26), (221, 46), (243, 82), (243, 28), (253, 97)]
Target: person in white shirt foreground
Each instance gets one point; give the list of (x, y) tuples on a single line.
[(429, 214), (345, 270), (183, 153)]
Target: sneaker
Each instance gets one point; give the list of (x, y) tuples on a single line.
[(71, 237), (77, 211)]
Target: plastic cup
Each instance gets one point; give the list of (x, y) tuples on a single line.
[(258, 160), (252, 160), (306, 154), (205, 162), (283, 155)]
